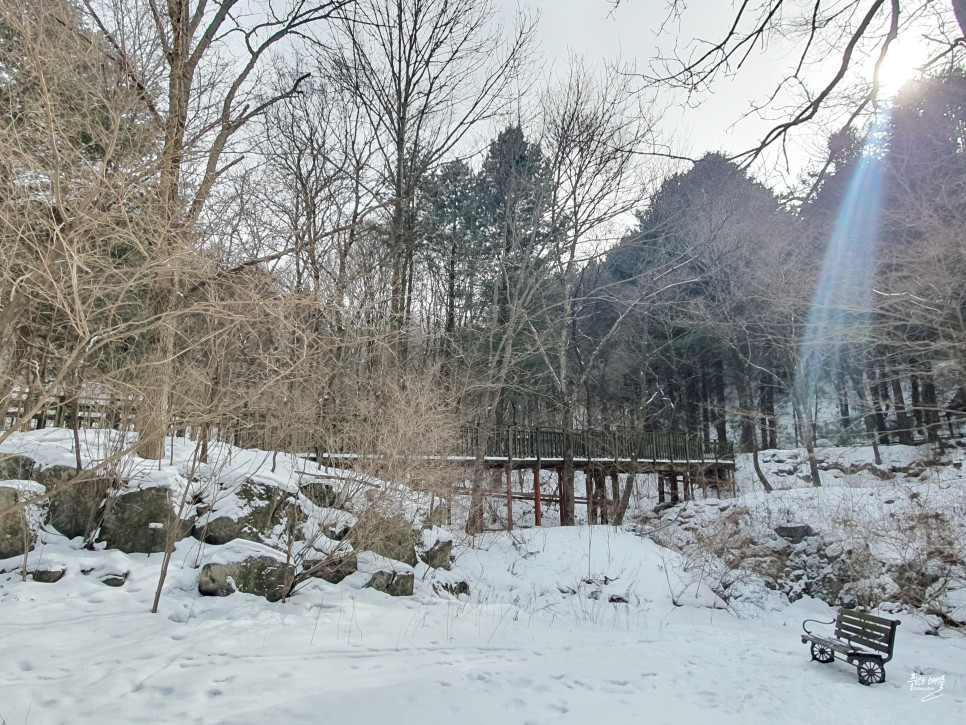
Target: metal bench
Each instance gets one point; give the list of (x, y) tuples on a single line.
[(861, 639)]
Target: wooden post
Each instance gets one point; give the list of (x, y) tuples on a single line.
[(561, 490), (61, 411), (509, 499), (537, 513), (660, 488), (615, 487), (675, 494)]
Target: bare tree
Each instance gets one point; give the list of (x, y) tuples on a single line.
[(595, 133), (425, 74), (198, 68), (852, 33)]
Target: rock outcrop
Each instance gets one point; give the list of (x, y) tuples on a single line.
[(138, 520), (246, 567), (251, 512), (388, 536), (17, 531)]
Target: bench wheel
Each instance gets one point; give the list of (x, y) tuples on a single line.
[(822, 653), (871, 671)]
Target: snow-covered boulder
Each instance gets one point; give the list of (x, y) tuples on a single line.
[(138, 520), (386, 575), (18, 526), (437, 548), (794, 533), (390, 536), (75, 502), (48, 575), (321, 494), (393, 583), (255, 510), (248, 567), (332, 569), (14, 467)]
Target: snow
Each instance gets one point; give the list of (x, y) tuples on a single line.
[(522, 651), (562, 625), (239, 550), (25, 489)]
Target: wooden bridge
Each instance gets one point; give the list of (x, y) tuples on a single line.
[(677, 459), (619, 447)]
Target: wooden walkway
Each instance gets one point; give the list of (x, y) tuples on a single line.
[(682, 463), (620, 447), (623, 450)]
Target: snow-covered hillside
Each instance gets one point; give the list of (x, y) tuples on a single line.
[(577, 624)]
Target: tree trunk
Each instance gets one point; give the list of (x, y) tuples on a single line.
[(842, 392), (916, 403), (808, 438), (625, 498), (855, 375), (567, 515), (759, 472), (931, 407), (745, 405), (720, 420), (902, 418), (879, 414)]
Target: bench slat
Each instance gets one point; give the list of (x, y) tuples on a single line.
[(874, 639), (872, 618), (865, 625), (873, 634), (859, 641)]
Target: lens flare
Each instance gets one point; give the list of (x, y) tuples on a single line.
[(840, 302)]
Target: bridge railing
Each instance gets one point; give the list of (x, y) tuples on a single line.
[(525, 443)]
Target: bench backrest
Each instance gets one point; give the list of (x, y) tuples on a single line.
[(866, 630)]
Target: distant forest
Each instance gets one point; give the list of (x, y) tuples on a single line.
[(290, 225)]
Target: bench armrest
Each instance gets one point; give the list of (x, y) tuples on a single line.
[(807, 630)]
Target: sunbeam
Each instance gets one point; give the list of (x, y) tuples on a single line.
[(844, 286)]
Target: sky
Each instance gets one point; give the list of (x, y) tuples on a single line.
[(717, 120)]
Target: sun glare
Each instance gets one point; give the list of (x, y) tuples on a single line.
[(901, 64)]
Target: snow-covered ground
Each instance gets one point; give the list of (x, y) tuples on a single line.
[(584, 624)]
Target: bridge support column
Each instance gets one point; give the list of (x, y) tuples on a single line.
[(660, 488), (537, 513), (509, 499)]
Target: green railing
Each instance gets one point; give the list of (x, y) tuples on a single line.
[(519, 443)]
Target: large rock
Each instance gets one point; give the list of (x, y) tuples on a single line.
[(394, 583), (385, 575), (795, 533), (16, 538), (437, 548), (388, 536), (75, 504), (246, 567), (16, 468), (22, 519), (49, 575), (321, 494), (252, 512), (138, 521), (456, 588), (332, 569), (439, 556)]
